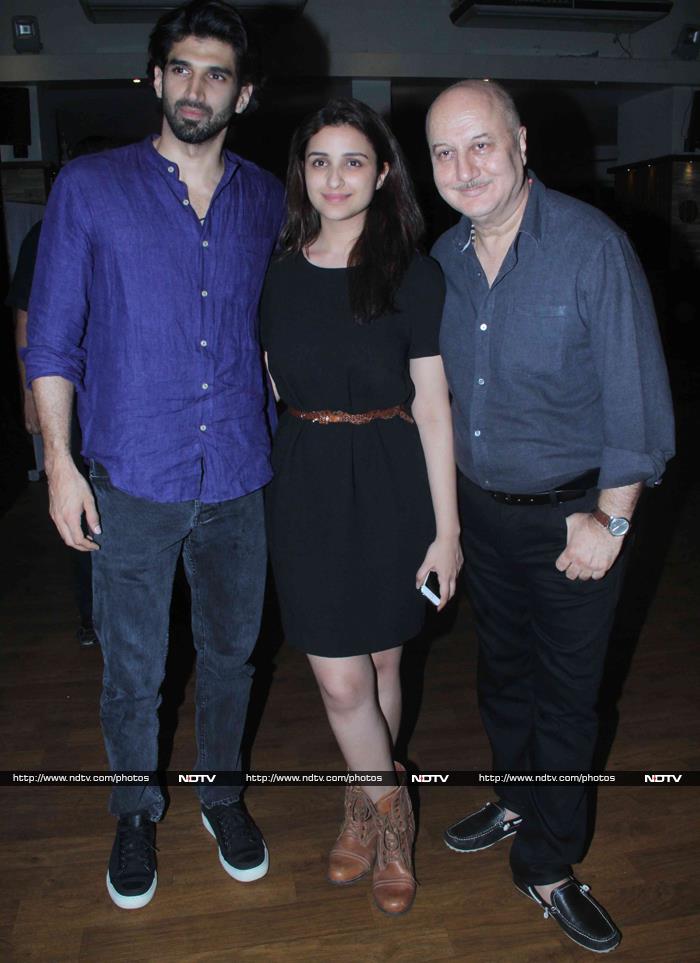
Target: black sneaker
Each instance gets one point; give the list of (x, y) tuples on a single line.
[(481, 829), (132, 877), (581, 917), (242, 850)]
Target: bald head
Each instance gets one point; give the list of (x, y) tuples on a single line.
[(454, 98), (478, 150)]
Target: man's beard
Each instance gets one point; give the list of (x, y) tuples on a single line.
[(192, 131)]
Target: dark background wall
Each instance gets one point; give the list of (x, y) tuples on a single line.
[(589, 102)]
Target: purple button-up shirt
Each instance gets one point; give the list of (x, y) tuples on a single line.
[(153, 317)]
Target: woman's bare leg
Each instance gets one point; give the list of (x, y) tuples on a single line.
[(387, 665), (349, 691)]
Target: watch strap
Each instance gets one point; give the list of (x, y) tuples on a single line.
[(602, 517), (611, 522)]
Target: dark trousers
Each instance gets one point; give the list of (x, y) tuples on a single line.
[(542, 644), (223, 549)]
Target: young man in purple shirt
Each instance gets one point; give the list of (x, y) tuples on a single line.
[(144, 301)]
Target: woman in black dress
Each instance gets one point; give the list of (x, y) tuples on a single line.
[(362, 506)]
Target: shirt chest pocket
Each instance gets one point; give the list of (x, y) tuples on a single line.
[(534, 339)]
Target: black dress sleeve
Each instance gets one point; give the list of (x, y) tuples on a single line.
[(425, 297), (268, 300)]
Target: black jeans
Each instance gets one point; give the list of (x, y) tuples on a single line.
[(542, 644), (223, 548)]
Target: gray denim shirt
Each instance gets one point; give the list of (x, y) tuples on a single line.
[(557, 368)]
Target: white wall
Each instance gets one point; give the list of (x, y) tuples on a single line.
[(366, 38)]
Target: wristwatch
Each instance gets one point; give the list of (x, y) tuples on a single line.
[(615, 524)]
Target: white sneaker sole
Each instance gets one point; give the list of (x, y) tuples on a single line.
[(132, 902), (242, 875)]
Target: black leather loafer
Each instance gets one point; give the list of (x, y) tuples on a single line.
[(581, 917), (481, 829)]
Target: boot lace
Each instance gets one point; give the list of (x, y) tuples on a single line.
[(358, 818), (393, 838)]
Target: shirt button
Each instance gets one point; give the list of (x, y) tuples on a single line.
[(204, 294), (203, 343), (205, 243), (171, 169), (186, 202), (483, 327), (202, 427), (477, 433), (481, 381), (205, 385)]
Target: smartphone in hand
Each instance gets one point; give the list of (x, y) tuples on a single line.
[(431, 588)]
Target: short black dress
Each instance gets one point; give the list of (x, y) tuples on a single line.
[(349, 514)]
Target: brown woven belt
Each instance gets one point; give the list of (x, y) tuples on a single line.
[(345, 417)]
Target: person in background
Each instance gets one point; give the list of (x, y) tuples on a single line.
[(18, 300), (145, 299), (562, 414), (362, 506)]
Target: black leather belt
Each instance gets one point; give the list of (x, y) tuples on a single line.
[(568, 492)]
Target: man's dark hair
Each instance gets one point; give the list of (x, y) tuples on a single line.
[(393, 225), (204, 18)]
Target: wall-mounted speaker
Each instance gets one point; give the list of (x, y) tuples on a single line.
[(15, 117)]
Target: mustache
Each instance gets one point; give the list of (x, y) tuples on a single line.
[(193, 105), (469, 185)]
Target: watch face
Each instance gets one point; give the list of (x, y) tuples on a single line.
[(618, 526)]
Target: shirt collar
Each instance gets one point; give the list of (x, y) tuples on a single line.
[(532, 218), (531, 223), (167, 167)]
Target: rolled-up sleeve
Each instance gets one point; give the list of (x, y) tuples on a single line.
[(638, 424), (58, 306)]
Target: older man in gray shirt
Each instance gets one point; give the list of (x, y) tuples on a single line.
[(562, 415)]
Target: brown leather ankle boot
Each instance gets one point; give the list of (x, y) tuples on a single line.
[(394, 886), (353, 854)]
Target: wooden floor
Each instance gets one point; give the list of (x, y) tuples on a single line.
[(54, 842)]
